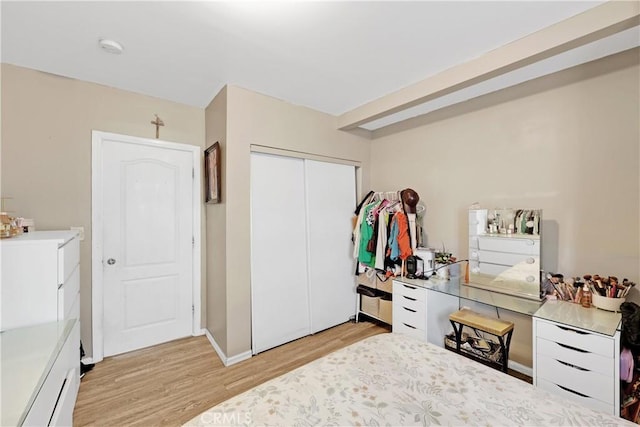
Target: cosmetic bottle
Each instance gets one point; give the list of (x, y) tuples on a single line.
[(586, 297)]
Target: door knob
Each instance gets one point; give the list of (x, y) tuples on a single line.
[(111, 261)]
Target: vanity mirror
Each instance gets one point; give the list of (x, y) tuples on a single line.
[(504, 251)]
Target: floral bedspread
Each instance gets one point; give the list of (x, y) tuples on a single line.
[(393, 380)]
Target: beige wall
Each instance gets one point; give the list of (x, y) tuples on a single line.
[(46, 149), (253, 118), (566, 143), (216, 216)]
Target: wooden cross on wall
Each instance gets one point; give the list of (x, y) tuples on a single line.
[(158, 122)]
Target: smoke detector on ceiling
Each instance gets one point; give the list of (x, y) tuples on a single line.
[(111, 46)]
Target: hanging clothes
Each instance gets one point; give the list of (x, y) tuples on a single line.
[(360, 212), (626, 365), (365, 254), (381, 244), (399, 238)]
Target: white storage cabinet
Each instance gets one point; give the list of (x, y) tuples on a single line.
[(579, 364), (40, 278), (422, 313)]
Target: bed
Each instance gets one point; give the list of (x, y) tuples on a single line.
[(394, 380)]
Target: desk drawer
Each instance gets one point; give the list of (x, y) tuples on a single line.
[(576, 338), (589, 383), (587, 401), (582, 358), (410, 316), (409, 330), (410, 302), (412, 292)]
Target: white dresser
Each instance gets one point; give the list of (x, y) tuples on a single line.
[(577, 354), (40, 278), (422, 313), (40, 370)]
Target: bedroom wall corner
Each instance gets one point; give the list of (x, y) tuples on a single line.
[(216, 227)]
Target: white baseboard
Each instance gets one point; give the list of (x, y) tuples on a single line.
[(239, 358), (226, 361), (199, 332), (521, 368)]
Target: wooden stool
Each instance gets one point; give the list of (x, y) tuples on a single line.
[(497, 327)]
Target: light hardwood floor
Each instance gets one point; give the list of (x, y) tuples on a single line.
[(171, 383)]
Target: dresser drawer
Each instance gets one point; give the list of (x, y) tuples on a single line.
[(410, 316), (527, 261), (588, 383), (409, 330), (582, 358), (67, 294), (411, 292), (576, 338), (587, 401), (506, 244), (66, 367), (68, 259)]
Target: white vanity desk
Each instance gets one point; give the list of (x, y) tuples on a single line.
[(576, 350), (421, 308), (39, 367)]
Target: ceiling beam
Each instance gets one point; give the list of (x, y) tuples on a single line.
[(591, 25)]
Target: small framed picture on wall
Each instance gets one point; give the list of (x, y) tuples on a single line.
[(212, 174)]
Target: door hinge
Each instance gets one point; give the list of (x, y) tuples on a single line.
[(193, 309), (193, 173), (193, 242)]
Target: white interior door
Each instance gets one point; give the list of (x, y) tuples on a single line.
[(147, 245), (331, 199), (279, 291)]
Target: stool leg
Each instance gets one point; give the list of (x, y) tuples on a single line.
[(504, 347), (357, 307), (506, 350), (505, 356), (458, 333)]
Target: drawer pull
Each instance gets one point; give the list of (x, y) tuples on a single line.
[(409, 298), (409, 287), (573, 348), (530, 279), (572, 330), (530, 260), (572, 391), (409, 326), (530, 243), (571, 365), (408, 309)]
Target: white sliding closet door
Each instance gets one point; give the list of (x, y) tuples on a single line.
[(331, 199), (279, 284)]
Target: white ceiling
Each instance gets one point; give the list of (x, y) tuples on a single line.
[(330, 56)]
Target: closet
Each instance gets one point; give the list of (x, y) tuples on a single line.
[(301, 264)]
